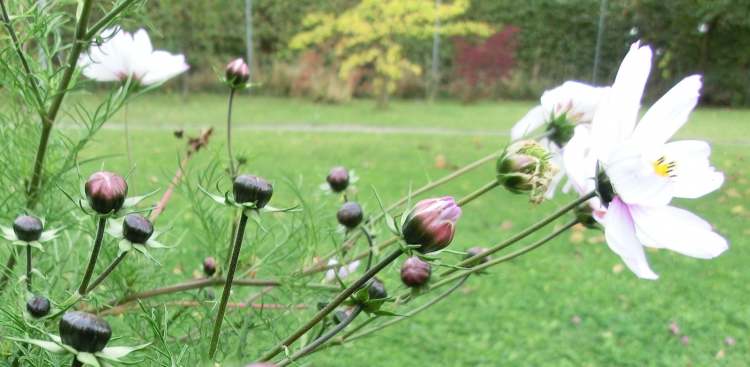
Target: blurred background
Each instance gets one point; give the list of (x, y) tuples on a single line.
[(529, 46)]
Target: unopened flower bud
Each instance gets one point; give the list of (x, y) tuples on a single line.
[(209, 266), (137, 229), (38, 306), (415, 272), (431, 224), (474, 251), (338, 179), (84, 332), (350, 215), (237, 73), (106, 192), (377, 290), (27, 228), (526, 167), (252, 189)]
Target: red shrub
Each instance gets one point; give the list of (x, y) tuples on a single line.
[(482, 67)]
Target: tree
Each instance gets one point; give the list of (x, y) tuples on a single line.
[(372, 35)]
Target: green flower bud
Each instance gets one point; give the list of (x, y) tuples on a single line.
[(525, 167)]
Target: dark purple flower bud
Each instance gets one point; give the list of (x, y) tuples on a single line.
[(209, 266), (377, 290), (473, 252), (237, 73), (415, 272), (106, 192), (338, 179), (252, 189), (38, 306), (84, 332), (137, 229), (350, 215), (431, 224), (28, 228)]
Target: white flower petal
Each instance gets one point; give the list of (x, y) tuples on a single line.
[(163, 66), (578, 100), (693, 175), (621, 239), (615, 118), (534, 119), (669, 113), (678, 230), (635, 179)]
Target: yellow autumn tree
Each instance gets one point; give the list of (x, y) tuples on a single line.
[(371, 34)]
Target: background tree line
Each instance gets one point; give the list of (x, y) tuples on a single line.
[(537, 44)]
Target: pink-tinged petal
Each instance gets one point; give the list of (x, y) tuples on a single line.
[(634, 178), (533, 120), (678, 230), (669, 113), (615, 118), (621, 239), (577, 100), (693, 175)]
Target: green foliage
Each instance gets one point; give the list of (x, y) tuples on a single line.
[(371, 35)]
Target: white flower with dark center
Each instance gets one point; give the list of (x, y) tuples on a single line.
[(561, 109), (640, 172), (123, 56)]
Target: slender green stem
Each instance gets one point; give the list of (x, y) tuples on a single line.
[(523, 234), (310, 348), (432, 185), (232, 169), (461, 202), (24, 63), (49, 120), (8, 269), (94, 255), (479, 192), (505, 258), (128, 150), (28, 268), (368, 236), (107, 271), (339, 299), (409, 314), (96, 27), (228, 285), (209, 282)]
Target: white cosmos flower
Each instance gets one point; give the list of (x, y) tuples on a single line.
[(122, 56), (572, 101), (343, 271), (645, 170)]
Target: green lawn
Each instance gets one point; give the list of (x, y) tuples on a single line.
[(519, 314)]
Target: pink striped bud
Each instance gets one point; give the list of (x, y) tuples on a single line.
[(432, 224)]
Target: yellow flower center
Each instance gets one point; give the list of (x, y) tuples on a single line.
[(663, 168)]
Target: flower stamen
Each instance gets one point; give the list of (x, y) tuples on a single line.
[(664, 168)]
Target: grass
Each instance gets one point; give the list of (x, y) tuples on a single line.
[(569, 303)]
